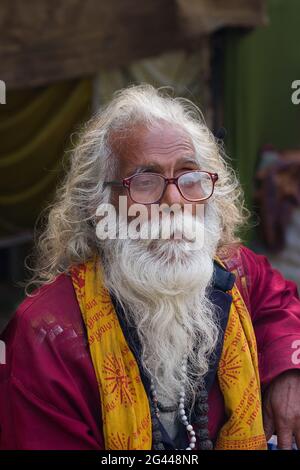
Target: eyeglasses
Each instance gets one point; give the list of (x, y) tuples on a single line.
[(149, 188)]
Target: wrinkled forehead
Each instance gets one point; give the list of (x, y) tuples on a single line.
[(159, 142)]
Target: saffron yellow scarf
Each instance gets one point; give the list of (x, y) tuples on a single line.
[(125, 407)]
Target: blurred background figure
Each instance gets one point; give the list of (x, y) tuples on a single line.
[(277, 202)]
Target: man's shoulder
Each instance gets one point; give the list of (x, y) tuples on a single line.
[(236, 256), (245, 264), (45, 334), (46, 314), (56, 296), (47, 348)]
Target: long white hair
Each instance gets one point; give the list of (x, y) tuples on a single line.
[(67, 235)]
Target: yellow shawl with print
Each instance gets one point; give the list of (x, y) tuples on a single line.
[(125, 407)]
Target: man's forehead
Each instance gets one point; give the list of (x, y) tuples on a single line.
[(164, 134), (160, 138)]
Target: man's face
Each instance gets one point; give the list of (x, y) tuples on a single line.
[(163, 282), (163, 149)]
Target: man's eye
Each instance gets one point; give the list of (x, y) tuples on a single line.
[(143, 181), (189, 182)]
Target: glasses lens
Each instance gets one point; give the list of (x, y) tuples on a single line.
[(196, 185), (146, 188)]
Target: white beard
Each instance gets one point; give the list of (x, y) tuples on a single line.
[(162, 287)]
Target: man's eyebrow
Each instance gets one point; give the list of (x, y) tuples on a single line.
[(145, 168), (187, 160), (156, 167)]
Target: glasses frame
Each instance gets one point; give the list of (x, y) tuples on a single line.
[(126, 183)]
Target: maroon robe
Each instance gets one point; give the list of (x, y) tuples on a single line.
[(49, 397)]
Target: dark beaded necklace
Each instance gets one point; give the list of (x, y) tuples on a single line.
[(200, 421), (156, 432)]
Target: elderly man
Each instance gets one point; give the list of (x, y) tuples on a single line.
[(136, 342)]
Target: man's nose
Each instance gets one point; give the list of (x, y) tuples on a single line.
[(172, 195)]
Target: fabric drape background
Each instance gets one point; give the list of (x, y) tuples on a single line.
[(35, 127)]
